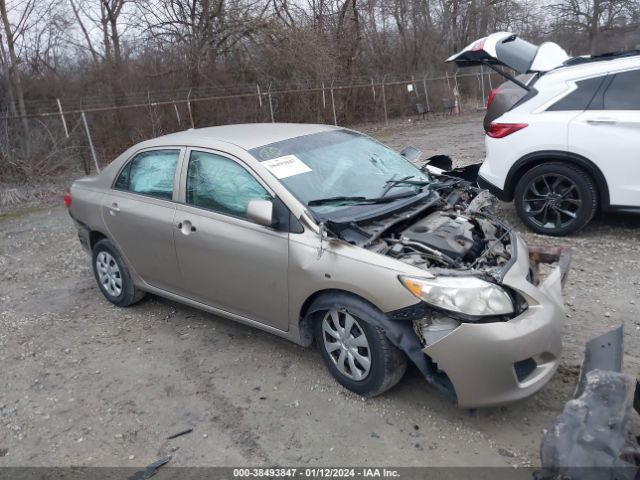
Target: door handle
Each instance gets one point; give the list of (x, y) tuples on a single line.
[(601, 121), (185, 227), (113, 208)]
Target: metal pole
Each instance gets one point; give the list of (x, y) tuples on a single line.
[(373, 90), (324, 99), (93, 151), (189, 108), (484, 100), (384, 102), (64, 122), (333, 105), (259, 95), (457, 92), (270, 104), (175, 107), (426, 92), (413, 84)]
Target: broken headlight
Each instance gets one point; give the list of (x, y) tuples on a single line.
[(466, 295)]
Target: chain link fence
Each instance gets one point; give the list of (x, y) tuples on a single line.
[(91, 131)]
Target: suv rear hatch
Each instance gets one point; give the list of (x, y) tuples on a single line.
[(506, 49)]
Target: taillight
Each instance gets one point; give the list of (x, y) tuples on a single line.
[(501, 130), (67, 199), (492, 95)]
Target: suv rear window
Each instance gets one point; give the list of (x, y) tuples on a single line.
[(580, 98), (623, 93)]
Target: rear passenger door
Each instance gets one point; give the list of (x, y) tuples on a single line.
[(138, 212), (608, 134)]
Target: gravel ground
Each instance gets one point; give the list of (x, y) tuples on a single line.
[(86, 383)]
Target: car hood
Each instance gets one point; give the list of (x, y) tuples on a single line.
[(507, 49)]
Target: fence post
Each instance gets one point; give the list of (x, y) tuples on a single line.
[(259, 95), (484, 102), (426, 92), (270, 105), (413, 84), (333, 106), (93, 151), (64, 122), (384, 102), (324, 99), (373, 90), (189, 108), (456, 93), (175, 107)]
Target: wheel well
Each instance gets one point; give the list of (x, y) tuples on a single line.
[(305, 322), (94, 237), (528, 162)]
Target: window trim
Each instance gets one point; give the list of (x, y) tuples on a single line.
[(176, 176), (182, 198)]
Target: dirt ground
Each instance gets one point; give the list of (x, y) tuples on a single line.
[(85, 383)]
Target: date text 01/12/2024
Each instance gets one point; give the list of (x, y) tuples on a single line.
[(315, 472)]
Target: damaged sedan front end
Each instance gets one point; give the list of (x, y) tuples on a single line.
[(488, 319)]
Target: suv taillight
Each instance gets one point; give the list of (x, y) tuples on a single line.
[(501, 130), (67, 199), (492, 95)]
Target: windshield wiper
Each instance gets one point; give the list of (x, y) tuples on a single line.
[(391, 183), (346, 200)]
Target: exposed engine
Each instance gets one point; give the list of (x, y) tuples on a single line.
[(456, 231)]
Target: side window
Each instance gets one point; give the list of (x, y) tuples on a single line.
[(220, 184), (150, 173), (623, 93), (580, 98)]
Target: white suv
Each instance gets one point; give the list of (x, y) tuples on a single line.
[(563, 137)]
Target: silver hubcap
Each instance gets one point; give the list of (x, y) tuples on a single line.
[(346, 344), (109, 274)]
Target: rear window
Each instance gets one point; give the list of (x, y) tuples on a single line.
[(581, 97), (623, 93), (516, 53)]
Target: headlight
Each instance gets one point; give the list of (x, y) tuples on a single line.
[(467, 295)]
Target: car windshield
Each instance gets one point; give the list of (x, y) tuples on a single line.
[(341, 167)]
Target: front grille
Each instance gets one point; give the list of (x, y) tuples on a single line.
[(524, 368)]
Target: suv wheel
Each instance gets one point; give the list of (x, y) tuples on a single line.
[(358, 355), (556, 198), (112, 275)]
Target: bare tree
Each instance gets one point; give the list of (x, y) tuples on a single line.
[(594, 16)]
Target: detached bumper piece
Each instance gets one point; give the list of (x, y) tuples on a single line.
[(591, 438), (560, 255)]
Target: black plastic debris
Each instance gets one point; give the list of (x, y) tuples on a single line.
[(151, 469), (180, 433), (591, 438)]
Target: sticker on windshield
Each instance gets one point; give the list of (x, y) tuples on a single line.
[(287, 166)]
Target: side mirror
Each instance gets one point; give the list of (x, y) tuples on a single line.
[(261, 212), (410, 153)]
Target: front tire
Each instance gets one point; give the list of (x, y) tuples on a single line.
[(112, 275), (556, 198), (358, 355)]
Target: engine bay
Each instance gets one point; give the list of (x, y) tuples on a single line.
[(455, 232)]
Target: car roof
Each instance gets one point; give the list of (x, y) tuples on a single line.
[(246, 135), (587, 69)]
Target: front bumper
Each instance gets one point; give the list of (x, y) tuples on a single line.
[(492, 363)]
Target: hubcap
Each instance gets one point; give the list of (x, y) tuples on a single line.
[(345, 342), (552, 201), (109, 274)]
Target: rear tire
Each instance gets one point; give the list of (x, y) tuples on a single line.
[(556, 198), (112, 275), (358, 355)]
